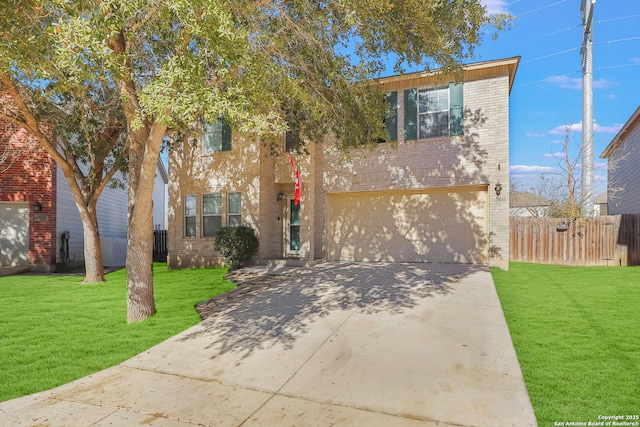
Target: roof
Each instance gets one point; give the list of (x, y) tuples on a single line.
[(526, 199), (620, 138), (471, 72), (601, 198)]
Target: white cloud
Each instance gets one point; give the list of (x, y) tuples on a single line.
[(567, 82), (536, 135), (553, 155), (606, 129), (577, 127), (530, 170), (635, 60), (600, 165), (495, 6), (562, 129)]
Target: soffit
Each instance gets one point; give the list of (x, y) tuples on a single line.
[(471, 72), (620, 138)]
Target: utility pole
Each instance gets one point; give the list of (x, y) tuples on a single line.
[(587, 195)]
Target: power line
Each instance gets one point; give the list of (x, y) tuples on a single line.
[(546, 79), (576, 48), (617, 19), (543, 7), (618, 66), (550, 55), (619, 40), (547, 35)]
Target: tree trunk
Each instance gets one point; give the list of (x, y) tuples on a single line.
[(94, 269), (143, 161)]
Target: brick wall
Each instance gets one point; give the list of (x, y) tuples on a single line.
[(479, 158), (192, 172), (476, 160), (30, 177)]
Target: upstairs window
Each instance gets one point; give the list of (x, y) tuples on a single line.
[(433, 112), (216, 136), (292, 141)]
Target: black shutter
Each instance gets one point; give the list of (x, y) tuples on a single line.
[(411, 114), (391, 122)]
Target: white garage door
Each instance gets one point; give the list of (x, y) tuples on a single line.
[(410, 226), (14, 234)]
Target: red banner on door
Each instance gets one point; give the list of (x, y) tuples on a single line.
[(297, 183)]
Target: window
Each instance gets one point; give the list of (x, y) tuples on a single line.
[(216, 136), (211, 214), (234, 218), (433, 112), (190, 215), (292, 141)]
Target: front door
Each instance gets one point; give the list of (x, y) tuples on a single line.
[(292, 230)]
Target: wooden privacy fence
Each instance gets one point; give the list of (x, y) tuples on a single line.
[(604, 240)]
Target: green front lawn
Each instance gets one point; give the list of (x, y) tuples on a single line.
[(576, 332), (54, 329)]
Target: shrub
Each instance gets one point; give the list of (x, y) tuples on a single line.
[(236, 244)]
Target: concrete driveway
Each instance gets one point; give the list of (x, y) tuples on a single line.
[(336, 344)]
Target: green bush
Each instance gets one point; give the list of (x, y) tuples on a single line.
[(236, 244)]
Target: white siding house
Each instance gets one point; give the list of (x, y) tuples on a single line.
[(623, 155), (112, 219)]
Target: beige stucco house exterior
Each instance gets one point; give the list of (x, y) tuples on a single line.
[(429, 196)]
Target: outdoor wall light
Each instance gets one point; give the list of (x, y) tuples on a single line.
[(498, 188), (37, 206), (281, 196)]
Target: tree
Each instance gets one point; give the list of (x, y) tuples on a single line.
[(177, 62), (10, 153), (74, 116), (557, 191)]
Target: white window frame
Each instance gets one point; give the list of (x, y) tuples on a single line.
[(206, 214), (232, 214), (190, 213), (429, 113)]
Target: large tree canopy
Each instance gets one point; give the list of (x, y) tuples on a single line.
[(253, 62), (76, 117)]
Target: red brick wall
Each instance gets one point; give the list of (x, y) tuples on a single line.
[(30, 177)]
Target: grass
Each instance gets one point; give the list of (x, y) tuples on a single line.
[(576, 331), (53, 329)]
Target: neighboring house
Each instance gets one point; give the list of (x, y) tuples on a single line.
[(526, 204), (600, 205), (623, 158), (39, 222), (427, 196)]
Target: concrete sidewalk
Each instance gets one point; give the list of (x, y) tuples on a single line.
[(334, 344)]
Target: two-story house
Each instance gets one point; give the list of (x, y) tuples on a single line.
[(40, 225), (438, 192)]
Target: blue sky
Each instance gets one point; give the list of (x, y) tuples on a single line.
[(547, 92)]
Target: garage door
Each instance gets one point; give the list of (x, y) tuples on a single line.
[(14, 234), (409, 226)]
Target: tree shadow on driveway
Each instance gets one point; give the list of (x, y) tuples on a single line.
[(280, 315)]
